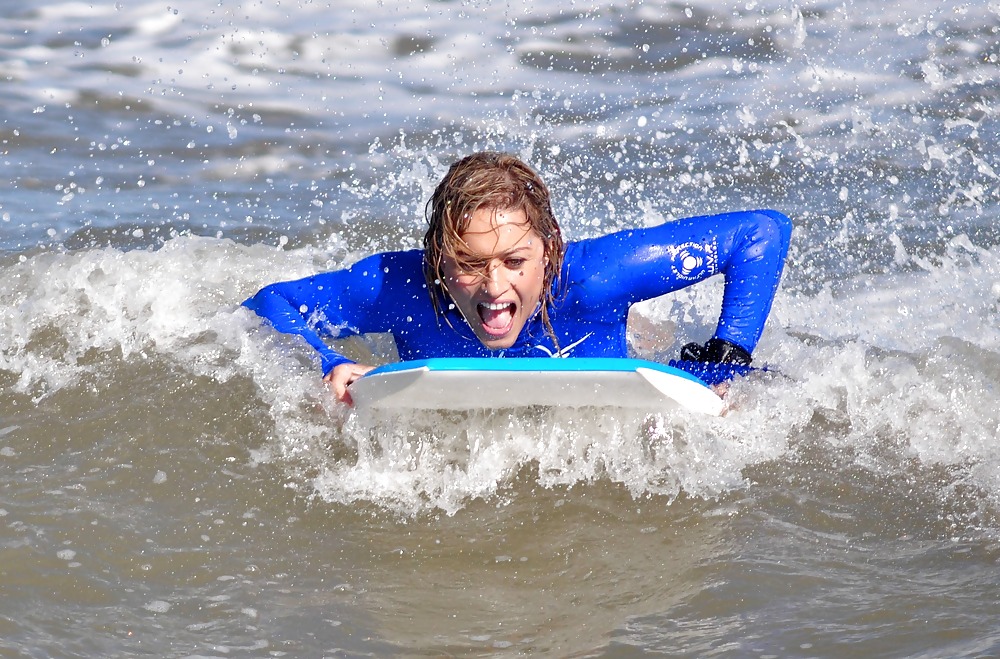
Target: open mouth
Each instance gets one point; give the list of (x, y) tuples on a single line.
[(497, 317)]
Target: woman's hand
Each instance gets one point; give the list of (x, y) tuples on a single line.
[(342, 376)]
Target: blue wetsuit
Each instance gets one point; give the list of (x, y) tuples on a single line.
[(601, 278)]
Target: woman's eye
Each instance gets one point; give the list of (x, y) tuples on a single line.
[(514, 263), (471, 267)]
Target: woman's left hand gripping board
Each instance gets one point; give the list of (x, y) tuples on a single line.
[(342, 376)]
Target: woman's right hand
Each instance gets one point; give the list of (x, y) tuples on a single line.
[(341, 377)]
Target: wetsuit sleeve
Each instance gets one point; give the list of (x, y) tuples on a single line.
[(748, 248), (333, 304)]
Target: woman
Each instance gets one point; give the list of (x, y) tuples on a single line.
[(495, 279)]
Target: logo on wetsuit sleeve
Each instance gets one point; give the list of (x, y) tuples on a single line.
[(693, 261)]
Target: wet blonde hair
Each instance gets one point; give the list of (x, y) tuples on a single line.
[(498, 182)]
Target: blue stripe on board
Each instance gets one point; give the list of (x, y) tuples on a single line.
[(575, 364)]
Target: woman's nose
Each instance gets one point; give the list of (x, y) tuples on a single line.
[(495, 284)]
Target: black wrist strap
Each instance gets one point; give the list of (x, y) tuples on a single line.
[(718, 351)]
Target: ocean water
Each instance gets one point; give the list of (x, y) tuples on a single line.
[(176, 482)]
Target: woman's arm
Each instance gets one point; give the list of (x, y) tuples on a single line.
[(334, 304), (747, 247), (285, 306)]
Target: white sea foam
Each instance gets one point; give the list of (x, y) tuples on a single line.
[(878, 355)]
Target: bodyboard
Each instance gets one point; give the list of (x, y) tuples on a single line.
[(497, 383)]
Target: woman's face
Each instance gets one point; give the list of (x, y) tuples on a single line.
[(496, 276)]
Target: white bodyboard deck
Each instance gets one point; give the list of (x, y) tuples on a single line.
[(496, 383)]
